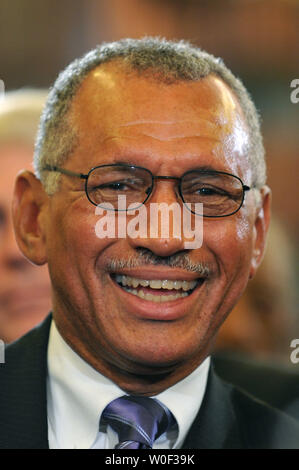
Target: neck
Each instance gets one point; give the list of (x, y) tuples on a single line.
[(134, 378), (143, 380)]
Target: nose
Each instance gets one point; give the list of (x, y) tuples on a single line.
[(164, 215)]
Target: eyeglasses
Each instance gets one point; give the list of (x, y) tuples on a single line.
[(221, 194)]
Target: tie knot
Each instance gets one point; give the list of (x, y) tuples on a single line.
[(138, 421)]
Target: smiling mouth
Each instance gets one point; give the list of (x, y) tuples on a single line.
[(157, 290)]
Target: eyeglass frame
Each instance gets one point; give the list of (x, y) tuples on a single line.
[(85, 177)]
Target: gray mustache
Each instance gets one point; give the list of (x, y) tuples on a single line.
[(146, 257)]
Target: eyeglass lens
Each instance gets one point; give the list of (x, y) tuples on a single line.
[(221, 194)]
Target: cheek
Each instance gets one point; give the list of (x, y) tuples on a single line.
[(72, 232), (231, 241), (73, 248)]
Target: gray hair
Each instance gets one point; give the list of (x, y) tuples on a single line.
[(20, 112), (160, 59)]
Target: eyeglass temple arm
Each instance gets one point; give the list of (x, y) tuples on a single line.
[(65, 172)]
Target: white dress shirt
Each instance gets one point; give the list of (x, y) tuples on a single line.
[(77, 394)]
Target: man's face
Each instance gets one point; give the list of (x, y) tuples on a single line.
[(168, 129), (24, 288)]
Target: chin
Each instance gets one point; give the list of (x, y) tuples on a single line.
[(149, 360)]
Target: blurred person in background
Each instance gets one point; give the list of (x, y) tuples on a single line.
[(264, 321), (24, 288), (252, 349)]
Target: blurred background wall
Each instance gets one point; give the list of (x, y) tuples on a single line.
[(258, 39)]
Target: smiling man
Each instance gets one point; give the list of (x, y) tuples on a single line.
[(124, 358)]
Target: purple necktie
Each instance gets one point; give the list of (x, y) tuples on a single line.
[(138, 421)]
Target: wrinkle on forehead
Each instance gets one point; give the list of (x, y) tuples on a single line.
[(179, 137), (168, 130), (165, 122)]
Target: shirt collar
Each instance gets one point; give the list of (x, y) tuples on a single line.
[(77, 395), (185, 397)]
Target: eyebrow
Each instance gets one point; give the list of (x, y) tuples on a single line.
[(197, 168), (205, 168)]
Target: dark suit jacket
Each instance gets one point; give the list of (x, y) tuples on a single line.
[(228, 418), (274, 383)]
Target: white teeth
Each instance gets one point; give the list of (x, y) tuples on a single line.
[(177, 285), (186, 285), (156, 284), (156, 298)]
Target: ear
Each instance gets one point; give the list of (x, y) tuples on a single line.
[(29, 202), (261, 226)]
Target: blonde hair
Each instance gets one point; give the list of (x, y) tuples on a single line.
[(20, 112)]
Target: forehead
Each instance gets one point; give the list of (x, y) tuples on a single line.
[(116, 107), (136, 96)]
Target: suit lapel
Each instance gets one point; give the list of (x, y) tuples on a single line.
[(23, 380), (215, 426), (23, 395)]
